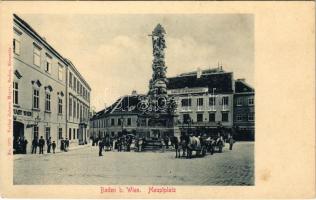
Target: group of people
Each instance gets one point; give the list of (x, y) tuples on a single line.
[(41, 143), (20, 145), (120, 143), (51, 145), (64, 144)]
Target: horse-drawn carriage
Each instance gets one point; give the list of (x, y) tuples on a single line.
[(200, 145)]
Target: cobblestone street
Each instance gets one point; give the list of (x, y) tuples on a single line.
[(84, 166)]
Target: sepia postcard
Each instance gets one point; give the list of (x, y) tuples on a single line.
[(177, 100)]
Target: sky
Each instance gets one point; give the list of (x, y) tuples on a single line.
[(114, 52)]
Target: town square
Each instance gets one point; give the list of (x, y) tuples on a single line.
[(195, 127)]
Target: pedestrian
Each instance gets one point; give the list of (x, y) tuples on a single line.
[(66, 144), (231, 142), (41, 144), (166, 140), (140, 143), (34, 145), (54, 146), (119, 145), (49, 143), (24, 146), (62, 144), (101, 145)]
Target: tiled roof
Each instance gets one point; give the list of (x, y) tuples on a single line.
[(220, 80), (126, 104), (241, 86)]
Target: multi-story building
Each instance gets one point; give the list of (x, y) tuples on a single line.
[(40, 92), (78, 101), (204, 100), (39, 86), (123, 115), (244, 111)]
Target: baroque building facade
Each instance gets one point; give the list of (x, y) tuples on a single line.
[(39, 86), (204, 100)]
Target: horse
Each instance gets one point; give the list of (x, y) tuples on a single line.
[(179, 143)]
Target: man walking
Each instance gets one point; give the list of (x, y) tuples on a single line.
[(41, 143), (62, 144), (54, 146), (34, 145), (231, 142), (101, 145), (66, 144), (24, 146), (49, 143)]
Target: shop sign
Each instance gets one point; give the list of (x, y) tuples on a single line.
[(188, 90), (21, 112)]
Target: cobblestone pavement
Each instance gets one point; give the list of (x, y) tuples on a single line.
[(84, 167)]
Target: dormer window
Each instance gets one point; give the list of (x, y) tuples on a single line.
[(36, 55), (48, 64), (16, 43), (60, 72)]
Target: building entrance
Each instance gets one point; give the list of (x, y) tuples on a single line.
[(18, 130)]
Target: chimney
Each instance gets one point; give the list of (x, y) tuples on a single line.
[(134, 93), (198, 73)]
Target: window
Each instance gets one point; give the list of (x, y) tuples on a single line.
[(199, 117), (35, 131), (74, 109), (112, 122), (60, 72), (60, 105), (119, 122), (15, 93), (78, 87), (47, 132), (80, 92), (129, 121), (47, 102), (70, 106), (70, 79), (112, 134), (250, 101), (251, 116), (212, 101), (239, 117), (75, 83), (211, 117), (60, 133), (225, 116), (77, 110), (80, 111), (186, 118), (225, 101), (186, 102), (77, 132), (36, 56), (74, 133), (239, 102), (35, 98), (69, 134), (16, 43), (48, 64), (199, 102)]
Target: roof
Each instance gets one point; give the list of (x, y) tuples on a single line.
[(212, 78), (241, 87), (69, 63), (124, 105), (40, 39), (29, 29)]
